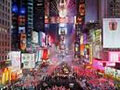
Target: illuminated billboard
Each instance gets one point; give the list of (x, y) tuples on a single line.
[(22, 41), (35, 37), (111, 33), (28, 60), (114, 56), (15, 59), (21, 29), (42, 39)]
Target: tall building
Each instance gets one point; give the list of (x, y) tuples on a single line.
[(14, 31), (5, 28), (39, 15), (29, 22), (22, 24)]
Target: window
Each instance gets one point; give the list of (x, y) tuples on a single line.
[(6, 2), (9, 4), (6, 23), (3, 8), (5, 16), (0, 5), (8, 10), (0, 21), (2, 57), (3, 1), (2, 15), (8, 17)]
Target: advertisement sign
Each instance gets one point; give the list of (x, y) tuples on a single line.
[(98, 35), (47, 7), (22, 41), (98, 65), (28, 60), (111, 33), (81, 39), (114, 56), (97, 51), (45, 54), (39, 55), (28, 64), (15, 59), (21, 29), (118, 74), (42, 39), (110, 71), (35, 37), (62, 30)]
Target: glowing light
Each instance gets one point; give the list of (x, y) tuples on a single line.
[(22, 10), (62, 25), (14, 8), (45, 54), (62, 9), (63, 13)]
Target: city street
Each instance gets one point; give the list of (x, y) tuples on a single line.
[(76, 78), (59, 45)]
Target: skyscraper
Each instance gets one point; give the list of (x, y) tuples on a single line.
[(29, 22), (5, 28), (22, 24), (39, 15)]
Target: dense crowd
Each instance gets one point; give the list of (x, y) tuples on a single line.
[(59, 82), (89, 79), (80, 78)]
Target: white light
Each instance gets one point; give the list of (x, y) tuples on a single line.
[(63, 13), (62, 25)]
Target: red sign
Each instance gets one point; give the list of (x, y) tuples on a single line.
[(45, 54)]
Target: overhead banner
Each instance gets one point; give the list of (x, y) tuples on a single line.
[(111, 33)]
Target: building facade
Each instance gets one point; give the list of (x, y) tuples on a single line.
[(29, 22), (5, 29), (22, 24), (39, 15)]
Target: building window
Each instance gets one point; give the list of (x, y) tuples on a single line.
[(8, 10), (2, 15), (6, 23), (0, 21), (3, 1), (0, 5), (2, 57), (9, 4), (6, 2), (3, 8), (8, 17)]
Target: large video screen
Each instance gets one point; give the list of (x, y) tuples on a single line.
[(111, 33)]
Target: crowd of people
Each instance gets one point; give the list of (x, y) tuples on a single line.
[(60, 82), (65, 77), (89, 79)]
